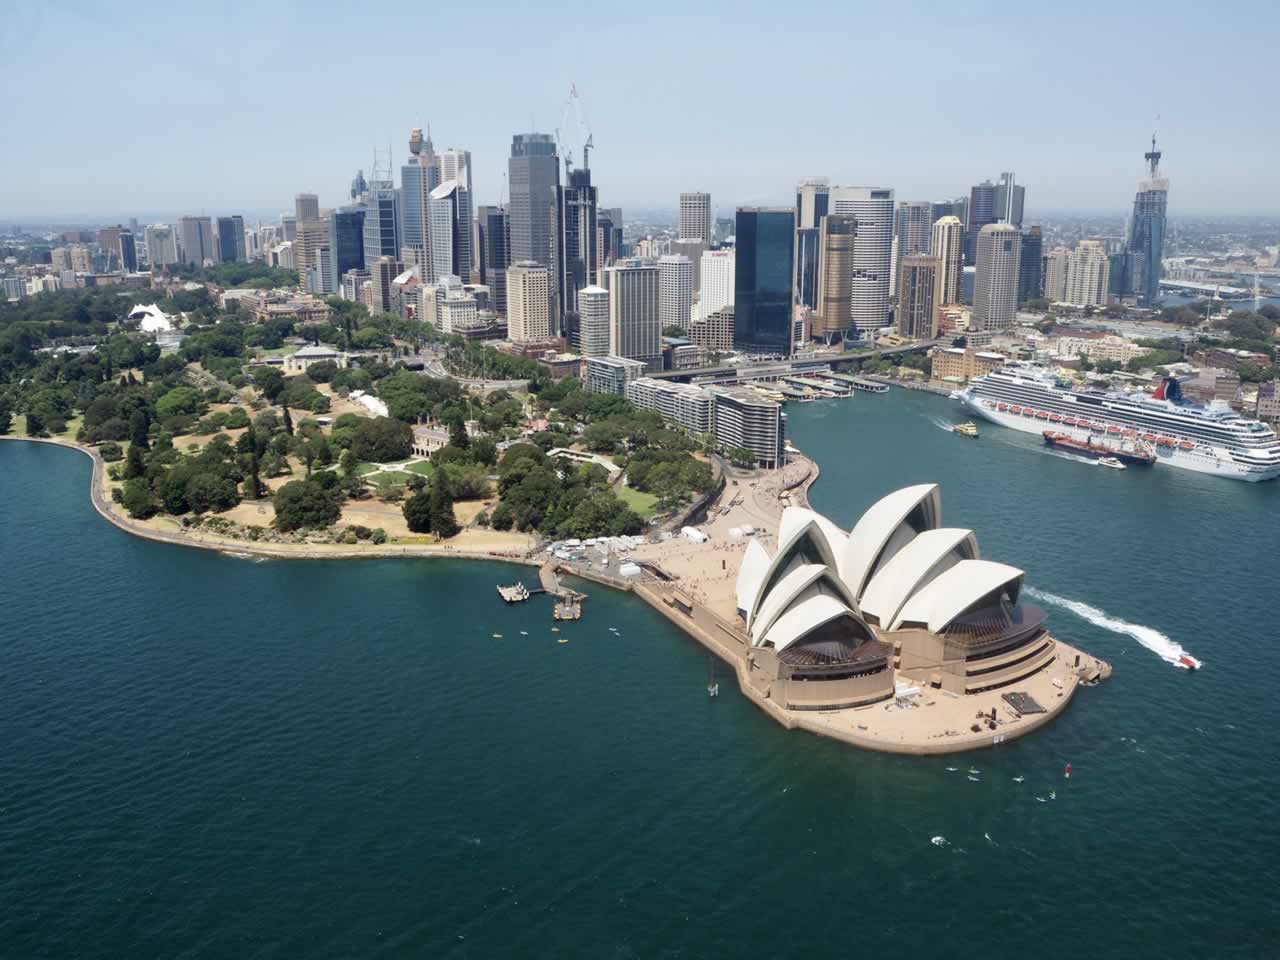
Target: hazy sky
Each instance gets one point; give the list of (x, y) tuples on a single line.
[(140, 107)]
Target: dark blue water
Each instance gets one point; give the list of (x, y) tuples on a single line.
[(207, 757)]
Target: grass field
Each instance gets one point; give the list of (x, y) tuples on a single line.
[(422, 467), (645, 504), (364, 469), (391, 478)]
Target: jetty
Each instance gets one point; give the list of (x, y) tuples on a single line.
[(516, 593)]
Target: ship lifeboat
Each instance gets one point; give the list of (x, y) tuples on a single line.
[(1113, 429), (1042, 415), (1055, 417), (1002, 407), (1083, 423), (1015, 409), (1130, 434), (1186, 445), (1070, 421), (1149, 437), (1165, 441)]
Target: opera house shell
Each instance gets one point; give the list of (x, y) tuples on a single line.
[(838, 619)]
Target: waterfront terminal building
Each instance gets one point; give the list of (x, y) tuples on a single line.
[(838, 620)]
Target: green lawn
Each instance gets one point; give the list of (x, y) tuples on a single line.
[(391, 478), (364, 469), (645, 504), (423, 468)]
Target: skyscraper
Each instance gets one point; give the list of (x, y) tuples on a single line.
[(1147, 230), (306, 206), (716, 275), (695, 217), (495, 251), (312, 257), (812, 201), (1007, 200), (872, 207), (836, 237), (128, 252), (449, 211), (533, 173), (528, 302), (1055, 274), (675, 291), (231, 239), (608, 238), (574, 250), (1031, 266), (917, 288), (995, 285), (945, 245), (346, 240), (913, 223), (418, 177), (196, 235), (162, 245), (359, 186), (763, 277), (593, 322), (982, 211), (635, 331), (382, 228)]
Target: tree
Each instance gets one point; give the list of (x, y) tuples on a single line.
[(324, 451), (134, 464), (287, 420), (35, 426), (136, 497), (138, 429), (348, 463), (269, 380), (6, 418), (417, 512), (253, 483), (308, 453), (458, 436), (305, 503), (382, 440), (179, 400), (443, 522), (484, 451)]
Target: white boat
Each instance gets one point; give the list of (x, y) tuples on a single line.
[(1111, 462), (1211, 439)]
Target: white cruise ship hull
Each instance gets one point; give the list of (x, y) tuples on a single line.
[(1202, 459)]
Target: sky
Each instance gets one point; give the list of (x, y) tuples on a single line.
[(148, 108)]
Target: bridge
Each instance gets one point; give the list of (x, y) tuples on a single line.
[(777, 369)]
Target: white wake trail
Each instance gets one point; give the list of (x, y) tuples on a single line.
[(1162, 646)]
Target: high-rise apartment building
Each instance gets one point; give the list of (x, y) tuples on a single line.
[(533, 173), (917, 288), (81, 259), (872, 207), (763, 278), (312, 257), (995, 286), (716, 277), (382, 274), (574, 249), (196, 236), (675, 291), (695, 217), (162, 245), (946, 244), (528, 302), (1088, 275), (494, 235), (913, 222), (1147, 230), (306, 206), (836, 237), (593, 322), (1055, 274), (449, 225), (1031, 267), (635, 330)]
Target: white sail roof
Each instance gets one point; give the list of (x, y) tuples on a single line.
[(798, 528), (755, 563), (809, 578), (877, 535), (952, 592), (804, 618), (912, 567)]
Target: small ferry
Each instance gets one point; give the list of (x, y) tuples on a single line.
[(1111, 462), (966, 429)]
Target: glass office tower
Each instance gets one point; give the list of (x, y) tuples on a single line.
[(763, 279)]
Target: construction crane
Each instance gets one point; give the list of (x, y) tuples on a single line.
[(571, 112)]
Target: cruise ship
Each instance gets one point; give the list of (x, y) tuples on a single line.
[(1209, 439)]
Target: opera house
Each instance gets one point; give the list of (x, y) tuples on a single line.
[(836, 620)]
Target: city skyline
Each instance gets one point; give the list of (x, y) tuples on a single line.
[(760, 142)]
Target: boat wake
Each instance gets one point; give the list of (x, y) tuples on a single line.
[(942, 424), (1162, 646)]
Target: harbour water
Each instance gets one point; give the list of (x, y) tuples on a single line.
[(215, 757)]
